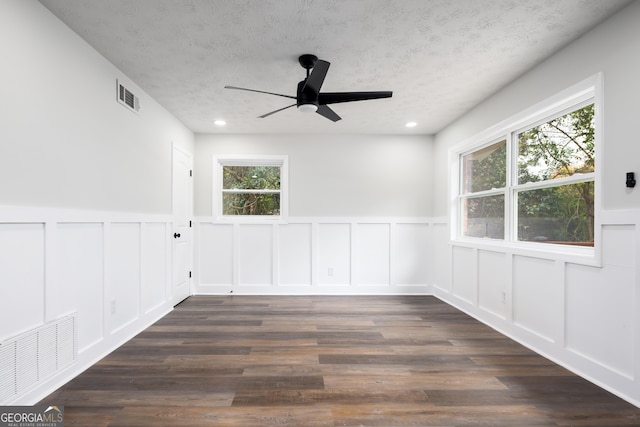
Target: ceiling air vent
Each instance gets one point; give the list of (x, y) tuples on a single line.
[(127, 98)]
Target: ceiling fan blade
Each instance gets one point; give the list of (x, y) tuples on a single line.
[(259, 91), (273, 112), (316, 78), (336, 97), (327, 112)]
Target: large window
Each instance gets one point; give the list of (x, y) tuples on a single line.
[(250, 187), (536, 181)]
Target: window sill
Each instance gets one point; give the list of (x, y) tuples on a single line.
[(570, 253), (239, 219)]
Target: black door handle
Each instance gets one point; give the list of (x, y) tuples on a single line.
[(176, 235)]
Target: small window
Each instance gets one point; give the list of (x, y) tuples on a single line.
[(251, 187)]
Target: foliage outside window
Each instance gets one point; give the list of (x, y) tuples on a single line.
[(535, 185), (252, 187)]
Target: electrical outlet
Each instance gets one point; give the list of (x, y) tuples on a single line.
[(330, 271), (113, 306)]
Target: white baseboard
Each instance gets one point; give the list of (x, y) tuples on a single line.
[(314, 290)]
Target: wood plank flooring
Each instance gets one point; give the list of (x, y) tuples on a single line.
[(330, 361)]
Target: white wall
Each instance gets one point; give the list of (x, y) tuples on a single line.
[(85, 193), (64, 140), (586, 318), (333, 175)]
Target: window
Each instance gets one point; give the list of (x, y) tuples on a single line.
[(484, 178), (251, 187), (555, 191), (534, 180)]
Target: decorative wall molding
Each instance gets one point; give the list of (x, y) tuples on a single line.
[(113, 269), (54, 262), (322, 255), (583, 317)]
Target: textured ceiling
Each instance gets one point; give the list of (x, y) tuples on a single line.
[(439, 57)]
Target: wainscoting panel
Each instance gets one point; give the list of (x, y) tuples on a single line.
[(328, 256), (255, 254), (372, 254), (493, 285), (295, 252), (22, 277), (109, 270), (334, 260), (537, 290), (79, 285), (441, 259), (214, 254), (410, 248), (154, 266), (592, 331), (123, 271), (465, 280)]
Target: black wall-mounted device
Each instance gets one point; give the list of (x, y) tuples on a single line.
[(631, 180)]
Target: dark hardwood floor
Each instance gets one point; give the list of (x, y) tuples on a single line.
[(330, 361)]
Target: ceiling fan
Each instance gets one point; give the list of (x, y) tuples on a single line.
[(308, 96)]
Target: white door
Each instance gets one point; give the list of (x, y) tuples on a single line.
[(182, 209)]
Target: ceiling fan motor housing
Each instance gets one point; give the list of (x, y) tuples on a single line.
[(304, 102)]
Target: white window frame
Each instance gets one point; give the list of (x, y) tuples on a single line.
[(220, 161), (584, 93)]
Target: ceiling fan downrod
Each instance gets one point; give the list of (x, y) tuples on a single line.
[(307, 61)]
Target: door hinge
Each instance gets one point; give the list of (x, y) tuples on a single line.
[(189, 274), (189, 224), (190, 172)]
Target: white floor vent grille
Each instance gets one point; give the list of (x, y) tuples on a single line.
[(36, 355)]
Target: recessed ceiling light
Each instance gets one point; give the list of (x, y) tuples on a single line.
[(219, 123), (411, 124)]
